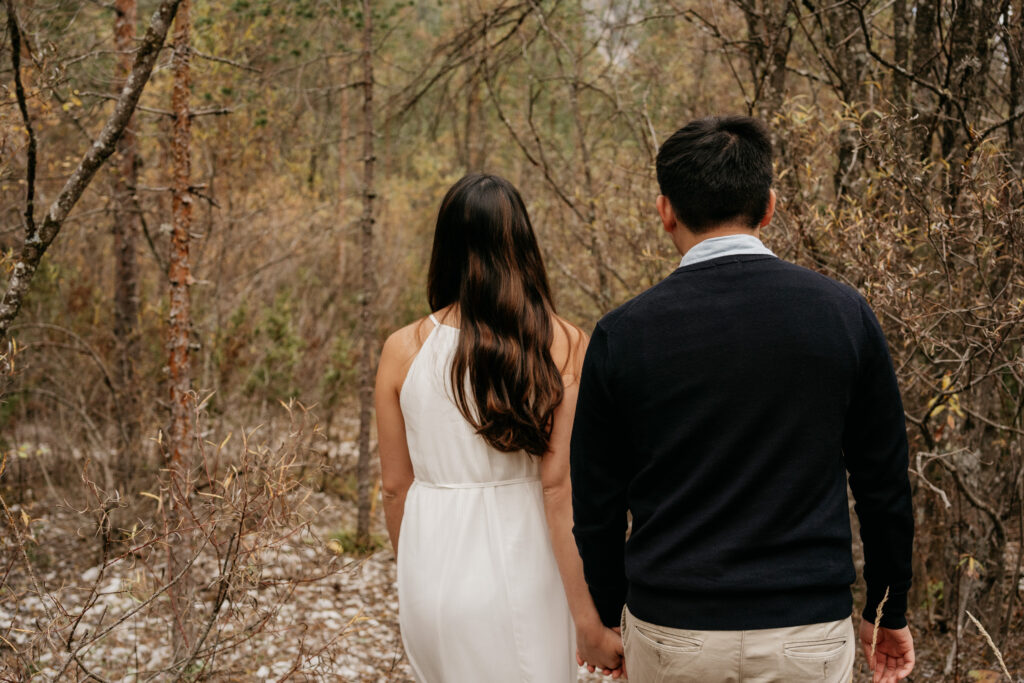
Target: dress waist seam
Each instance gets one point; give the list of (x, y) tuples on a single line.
[(476, 484)]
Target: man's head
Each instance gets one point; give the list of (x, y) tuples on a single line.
[(717, 172)]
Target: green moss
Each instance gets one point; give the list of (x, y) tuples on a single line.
[(346, 538)]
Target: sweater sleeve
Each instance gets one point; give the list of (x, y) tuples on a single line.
[(875, 449), (598, 483)]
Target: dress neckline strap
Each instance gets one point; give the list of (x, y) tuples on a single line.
[(434, 320)]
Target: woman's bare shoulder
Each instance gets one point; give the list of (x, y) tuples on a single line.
[(568, 345), (403, 344)]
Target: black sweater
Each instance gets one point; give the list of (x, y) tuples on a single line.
[(723, 408)]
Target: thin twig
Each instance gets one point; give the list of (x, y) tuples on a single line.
[(224, 60), (130, 613), (213, 111)]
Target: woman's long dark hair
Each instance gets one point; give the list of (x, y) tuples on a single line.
[(486, 261)]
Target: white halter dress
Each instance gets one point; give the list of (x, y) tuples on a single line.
[(480, 596)]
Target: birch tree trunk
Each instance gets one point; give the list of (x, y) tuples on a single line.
[(369, 291)]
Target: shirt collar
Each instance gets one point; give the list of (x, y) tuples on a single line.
[(730, 245)]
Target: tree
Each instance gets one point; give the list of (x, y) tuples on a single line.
[(367, 329), (39, 237), (126, 231), (180, 436), (179, 273)]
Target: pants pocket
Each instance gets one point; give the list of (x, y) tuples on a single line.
[(655, 654), (816, 660), (815, 649), (664, 640)]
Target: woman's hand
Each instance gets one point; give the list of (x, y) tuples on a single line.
[(599, 647)]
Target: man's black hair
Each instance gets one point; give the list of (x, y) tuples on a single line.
[(715, 170)]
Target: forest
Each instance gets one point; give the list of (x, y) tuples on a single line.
[(213, 212)]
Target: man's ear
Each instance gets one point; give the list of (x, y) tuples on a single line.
[(668, 216), (770, 211)]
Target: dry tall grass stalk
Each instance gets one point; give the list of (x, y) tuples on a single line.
[(988, 638), (878, 624)]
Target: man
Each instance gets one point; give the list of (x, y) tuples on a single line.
[(723, 408)]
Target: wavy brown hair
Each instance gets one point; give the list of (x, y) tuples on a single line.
[(486, 261)]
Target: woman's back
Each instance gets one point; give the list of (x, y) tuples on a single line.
[(479, 588), (444, 447), (474, 422)]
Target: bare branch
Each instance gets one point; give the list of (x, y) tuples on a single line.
[(974, 499), (19, 90), (37, 242), (224, 60), (214, 111)]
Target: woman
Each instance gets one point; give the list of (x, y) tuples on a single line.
[(474, 410)]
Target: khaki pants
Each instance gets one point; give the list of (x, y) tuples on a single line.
[(815, 652)]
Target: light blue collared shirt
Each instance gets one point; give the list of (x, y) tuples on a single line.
[(730, 245)]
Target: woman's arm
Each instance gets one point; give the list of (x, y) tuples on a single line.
[(598, 645), (395, 465)]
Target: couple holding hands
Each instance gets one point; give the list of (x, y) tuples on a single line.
[(667, 499)]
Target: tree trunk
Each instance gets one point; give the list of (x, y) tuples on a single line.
[(849, 54), (1014, 42), (369, 287), (781, 37), (179, 275), (343, 141), (901, 55), (126, 286), (974, 30), (924, 53), (768, 42), (593, 240), (38, 240), (961, 70), (180, 436)]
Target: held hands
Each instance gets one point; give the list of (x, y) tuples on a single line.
[(894, 652), (600, 647)]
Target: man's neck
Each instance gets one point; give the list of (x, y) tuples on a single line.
[(686, 240)]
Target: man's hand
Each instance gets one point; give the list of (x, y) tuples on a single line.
[(894, 652), (599, 647)]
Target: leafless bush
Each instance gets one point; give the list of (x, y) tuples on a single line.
[(241, 543), (941, 266)]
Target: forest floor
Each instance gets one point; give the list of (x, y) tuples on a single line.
[(343, 626)]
